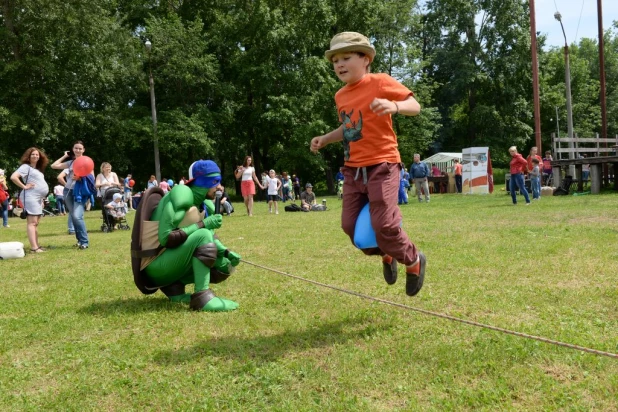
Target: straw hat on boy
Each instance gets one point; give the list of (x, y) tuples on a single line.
[(350, 41)]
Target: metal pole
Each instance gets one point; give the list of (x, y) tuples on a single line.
[(602, 72), (154, 129), (567, 76), (535, 78)]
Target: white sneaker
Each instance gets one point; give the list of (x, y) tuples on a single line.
[(276, 212), (7, 226)]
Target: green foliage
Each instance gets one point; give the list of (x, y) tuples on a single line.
[(234, 78)]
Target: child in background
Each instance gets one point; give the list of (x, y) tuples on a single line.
[(372, 161), (404, 185), (117, 207), (535, 179), (273, 191), (547, 171)]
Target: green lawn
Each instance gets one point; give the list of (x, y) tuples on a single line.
[(75, 333)]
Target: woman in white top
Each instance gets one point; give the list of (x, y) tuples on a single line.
[(34, 190), (247, 188), (106, 179)]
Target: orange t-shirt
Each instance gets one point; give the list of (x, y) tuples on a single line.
[(369, 139), (458, 169)]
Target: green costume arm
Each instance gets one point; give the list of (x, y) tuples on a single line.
[(220, 247)]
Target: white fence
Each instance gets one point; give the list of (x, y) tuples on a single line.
[(592, 146)]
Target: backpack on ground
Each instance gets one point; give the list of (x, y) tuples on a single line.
[(292, 208)]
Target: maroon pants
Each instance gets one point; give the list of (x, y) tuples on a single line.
[(379, 186)]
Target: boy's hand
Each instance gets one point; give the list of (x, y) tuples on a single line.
[(383, 106), (316, 144)]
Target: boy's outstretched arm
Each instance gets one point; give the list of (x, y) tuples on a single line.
[(407, 107), (319, 142)]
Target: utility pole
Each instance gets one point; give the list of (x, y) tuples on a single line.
[(535, 78), (153, 106)]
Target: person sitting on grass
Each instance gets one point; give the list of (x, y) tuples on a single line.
[(307, 198)]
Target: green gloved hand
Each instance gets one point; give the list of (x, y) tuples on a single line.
[(213, 222), (233, 257)]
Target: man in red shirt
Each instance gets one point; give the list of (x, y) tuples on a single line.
[(518, 167)]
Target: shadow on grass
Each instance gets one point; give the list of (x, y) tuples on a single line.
[(264, 349), (130, 306)]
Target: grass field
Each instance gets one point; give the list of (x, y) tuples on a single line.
[(75, 333)]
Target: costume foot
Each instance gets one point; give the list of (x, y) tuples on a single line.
[(220, 305), (184, 298), (206, 301)]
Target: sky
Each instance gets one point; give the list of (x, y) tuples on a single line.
[(571, 10)]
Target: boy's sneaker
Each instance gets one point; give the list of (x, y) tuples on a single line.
[(389, 270), (83, 247), (414, 280)]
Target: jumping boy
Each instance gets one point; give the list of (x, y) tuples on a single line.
[(372, 162)]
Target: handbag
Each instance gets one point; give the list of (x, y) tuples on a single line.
[(24, 212)]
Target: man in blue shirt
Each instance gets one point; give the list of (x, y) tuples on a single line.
[(419, 172)]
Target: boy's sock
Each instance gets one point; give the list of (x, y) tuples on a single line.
[(415, 275), (389, 269)]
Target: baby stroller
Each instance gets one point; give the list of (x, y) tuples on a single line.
[(109, 220)]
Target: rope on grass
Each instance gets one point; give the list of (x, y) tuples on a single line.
[(441, 315)]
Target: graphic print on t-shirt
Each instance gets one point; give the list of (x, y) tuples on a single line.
[(352, 131)]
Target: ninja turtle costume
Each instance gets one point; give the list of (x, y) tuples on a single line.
[(174, 244)]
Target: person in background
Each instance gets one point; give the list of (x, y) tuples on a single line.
[(59, 193), (75, 208), (419, 173), (436, 172), (585, 170), (547, 170), (128, 191), (164, 185), (106, 180), (286, 187), (226, 205), (246, 172), (29, 177), (404, 184), (274, 184), (296, 185), (535, 179), (533, 155), (307, 198), (152, 182), (4, 204), (339, 176), (264, 191), (457, 169), (518, 168)]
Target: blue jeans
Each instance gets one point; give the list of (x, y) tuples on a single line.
[(535, 184), (76, 217), (60, 204), (517, 181), (5, 212)]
